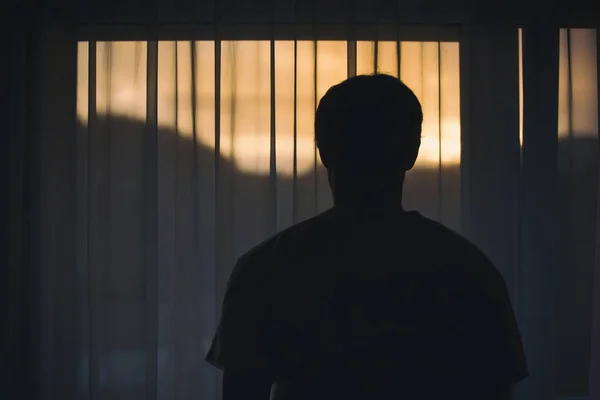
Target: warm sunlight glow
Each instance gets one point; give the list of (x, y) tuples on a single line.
[(577, 84), (187, 96), (520, 39)]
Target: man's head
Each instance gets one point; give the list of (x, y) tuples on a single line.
[(368, 128)]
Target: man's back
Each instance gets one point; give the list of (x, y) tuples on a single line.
[(370, 303)]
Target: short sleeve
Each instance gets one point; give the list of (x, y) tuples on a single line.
[(499, 353), (240, 341)]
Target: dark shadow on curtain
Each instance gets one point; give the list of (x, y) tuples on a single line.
[(578, 177)]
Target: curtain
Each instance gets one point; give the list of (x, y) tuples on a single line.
[(185, 155), (16, 116), (559, 160), (177, 157), (577, 180), (594, 384)]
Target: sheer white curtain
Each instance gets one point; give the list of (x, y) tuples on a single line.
[(559, 205), (578, 186), (185, 155), (176, 157)]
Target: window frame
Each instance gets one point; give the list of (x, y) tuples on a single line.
[(266, 31)]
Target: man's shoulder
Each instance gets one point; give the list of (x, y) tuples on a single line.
[(461, 252), (441, 235), (279, 243)]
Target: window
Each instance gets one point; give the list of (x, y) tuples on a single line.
[(220, 185)]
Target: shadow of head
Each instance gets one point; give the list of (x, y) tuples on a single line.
[(188, 168)]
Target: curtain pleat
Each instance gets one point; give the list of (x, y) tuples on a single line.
[(558, 232), (577, 167), (594, 384), (150, 221), (538, 219)]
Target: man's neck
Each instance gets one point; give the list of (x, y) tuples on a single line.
[(368, 201), (367, 192)]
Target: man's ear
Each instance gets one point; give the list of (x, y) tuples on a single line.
[(324, 160), (411, 156), (331, 178)]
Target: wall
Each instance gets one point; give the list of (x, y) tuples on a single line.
[(323, 11)]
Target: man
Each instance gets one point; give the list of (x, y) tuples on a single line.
[(366, 300)]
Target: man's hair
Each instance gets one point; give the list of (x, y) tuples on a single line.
[(368, 124)]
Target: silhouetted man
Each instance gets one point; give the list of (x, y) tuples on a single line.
[(366, 300)]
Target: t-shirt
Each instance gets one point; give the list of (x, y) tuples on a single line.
[(355, 303)]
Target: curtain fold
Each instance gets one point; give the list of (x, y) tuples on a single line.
[(594, 384), (559, 181), (577, 182), (20, 83), (539, 230)]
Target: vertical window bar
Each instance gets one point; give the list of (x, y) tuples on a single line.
[(315, 169), (315, 87), (195, 175), (150, 232), (273, 122), (465, 132), (375, 52), (376, 41), (218, 205), (93, 348), (105, 202), (218, 220), (398, 39), (571, 140), (440, 175), (398, 49), (594, 384), (82, 193), (273, 154), (598, 76), (351, 51), (295, 159), (177, 141), (351, 58)]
